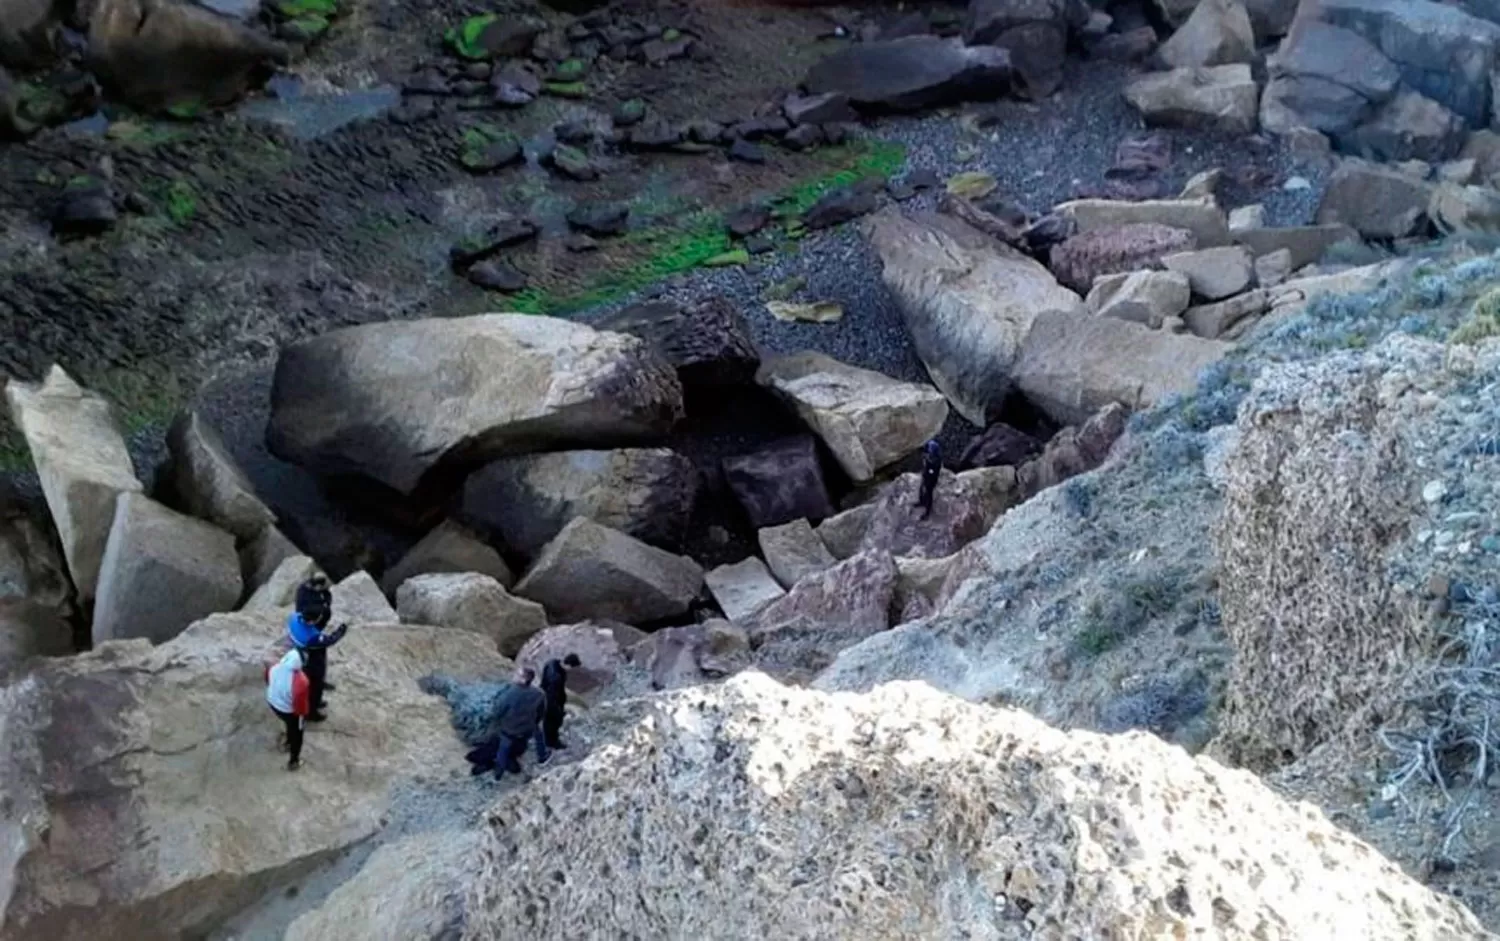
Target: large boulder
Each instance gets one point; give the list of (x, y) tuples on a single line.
[(262, 555), (742, 588), (392, 401), (1457, 208), (693, 654), (1146, 297), (1375, 201), (1082, 260), (29, 32), (279, 591), (1325, 78), (988, 321), (449, 547), (907, 812), (1034, 32), (1409, 127), (162, 571), (207, 482), (798, 635), (524, 502), (602, 648), (707, 339), (1442, 52), (843, 532), (868, 420), (1217, 33), (1222, 98), (112, 760), (36, 598), (81, 460), (1306, 243), (911, 73), (1214, 273), (899, 527), (471, 602), (781, 482), (794, 551), (592, 571), (1202, 217), (162, 53), (358, 600)]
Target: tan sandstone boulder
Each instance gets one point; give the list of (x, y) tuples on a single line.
[(358, 600), (81, 460), (906, 812), (1217, 33), (471, 602), (146, 797), (392, 401), (449, 547), (592, 571), (743, 588), (1222, 98), (794, 551), (868, 420), (987, 321)]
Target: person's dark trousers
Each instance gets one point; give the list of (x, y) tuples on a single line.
[(552, 722), (508, 755), (924, 497), (293, 726), (483, 757), (315, 664)]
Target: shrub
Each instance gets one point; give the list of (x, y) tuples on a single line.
[(1483, 321), (1160, 707), (1121, 609)]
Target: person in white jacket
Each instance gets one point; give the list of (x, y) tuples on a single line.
[(289, 693)]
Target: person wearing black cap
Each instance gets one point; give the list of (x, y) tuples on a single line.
[(307, 630)]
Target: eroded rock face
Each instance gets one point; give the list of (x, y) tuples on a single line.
[(110, 758), (848, 790), (868, 420), (391, 401), (526, 501), (80, 457), (592, 571)]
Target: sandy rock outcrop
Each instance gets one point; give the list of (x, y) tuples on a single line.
[(908, 812), (471, 602), (592, 571), (987, 321), (867, 419), (80, 458), (392, 401), (146, 798)]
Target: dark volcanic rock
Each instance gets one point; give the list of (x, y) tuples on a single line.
[(746, 151), (747, 220), (912, 73), (512, 230), (1000, 445), (839, 206), (780, 483), (803, 137), (601, 220), (86, 207), (705, 131), (707, 340), (574, 132), (508, 36), (761, 128), (655, 134), (826, 108), (497, 276)]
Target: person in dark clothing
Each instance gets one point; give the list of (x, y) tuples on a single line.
[(307, 630), (517, 721), (932, 467), (554, 686)]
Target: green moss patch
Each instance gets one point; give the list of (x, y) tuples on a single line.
[(296, 9), (465, 38), (181, 202), (1483, 321), (566, 89)]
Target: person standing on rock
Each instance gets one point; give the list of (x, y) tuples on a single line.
[(289, 693), (307, 630), (932, 467), (555, 688)]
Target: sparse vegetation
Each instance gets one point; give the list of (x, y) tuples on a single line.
[(181, 202), (464, 38), (1483, 321), (1122, 608)]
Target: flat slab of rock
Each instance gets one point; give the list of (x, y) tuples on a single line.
[(1221, 98), (844, 532), (471, 602), (800, 634), (1306, 243), (209, 484), (1144, 297), (525, 501), (81, 461), (162, 571), (911, 73), (449, 547), (1214, 273), (794, 551), (591, 571), (781, 482), (391, 401), (1202, 217), (743, 588), (867, 419), (1376, 201), (707, 339)]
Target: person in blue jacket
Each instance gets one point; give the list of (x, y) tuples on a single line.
[(307, 629)]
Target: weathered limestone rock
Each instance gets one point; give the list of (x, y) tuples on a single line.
[(986, 321), (279, 591), (1212, 321), (601, 646), (35, 594), (1222, 98), (800, 634), (868, 420), (209, 484), (1202, 217), (781, 482), (1325, 78), (1081, 260), (393, 401), (693, 654), (1146, 297), (81, 460), (794, 551), (1214, 273), (1273, 269), (1409, 127), (911, 73), (162, 571), (262, 556), (449, 547), (743, 588), (591, 571), (111, 757), (843, 532), (897, 526), (358, 600), (1242, 218), (525, 501), (1376, 201), (471, 602), (834, 782), (1217, 33)]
